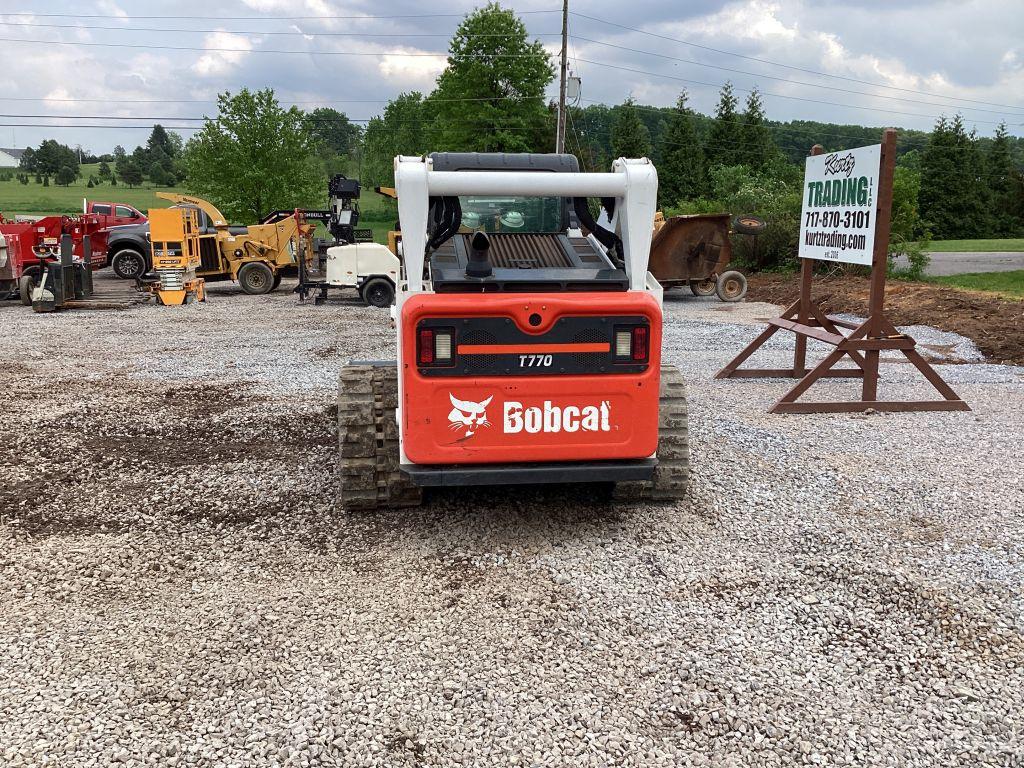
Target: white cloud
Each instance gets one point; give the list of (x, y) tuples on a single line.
[(410, 70), (234, 49)]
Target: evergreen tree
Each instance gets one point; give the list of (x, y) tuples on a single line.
[(681, 171), (953, 200), (103, 171), (757, 147), (120, 158), (1001, 175), (725, 137), (159, 141), (630, 137), (65, 175)]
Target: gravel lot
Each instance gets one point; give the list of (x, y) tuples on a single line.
[(177, 588)]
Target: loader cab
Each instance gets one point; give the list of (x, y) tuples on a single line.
[(535, 242)]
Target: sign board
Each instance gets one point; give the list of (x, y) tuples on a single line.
[(840, 195)]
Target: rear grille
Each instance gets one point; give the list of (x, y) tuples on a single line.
[(590, 336), (525, 251), (479, 363)]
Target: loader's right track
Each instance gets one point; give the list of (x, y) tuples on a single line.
[(672, 475), (368, 473)]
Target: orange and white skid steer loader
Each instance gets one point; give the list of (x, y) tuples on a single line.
[(529, 338)]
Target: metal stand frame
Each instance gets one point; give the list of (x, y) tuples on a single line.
[(863, 344)]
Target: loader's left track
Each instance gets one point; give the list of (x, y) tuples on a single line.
[(368, 473)]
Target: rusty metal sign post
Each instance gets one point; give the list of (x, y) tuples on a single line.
[(866, 340)]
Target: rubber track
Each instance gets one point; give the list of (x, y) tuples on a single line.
[(672, 475), (368, 473)]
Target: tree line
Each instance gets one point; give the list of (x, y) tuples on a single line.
[(256, 156)]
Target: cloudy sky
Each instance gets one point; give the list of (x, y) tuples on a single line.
[(870, 62)]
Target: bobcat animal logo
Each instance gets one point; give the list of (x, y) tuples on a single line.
[(467, 415)]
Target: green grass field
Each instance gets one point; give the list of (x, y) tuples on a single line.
[(1004, 283), (37, 200), (976, 246)]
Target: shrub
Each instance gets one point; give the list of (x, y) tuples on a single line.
[(772, 194)]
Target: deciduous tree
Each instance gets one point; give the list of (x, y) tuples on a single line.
[(490, 96), (254, 158)]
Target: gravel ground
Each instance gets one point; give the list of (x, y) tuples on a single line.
[(177, 588)]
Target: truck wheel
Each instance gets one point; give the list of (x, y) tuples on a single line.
[(368, 473), (26, 284), (703, 287), (672, 475), (128, 264), (277, 281), (732, 286), (378, 293), (256, 278)]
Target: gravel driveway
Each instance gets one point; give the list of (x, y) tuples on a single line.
[(177, 588)]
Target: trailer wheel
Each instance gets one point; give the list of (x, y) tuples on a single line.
[(128, 264), (378, 292), (703, 287), (277, 281), (748, 225), (732, 286), (26, 284), (672, 475), (256, 278), (368, 473)]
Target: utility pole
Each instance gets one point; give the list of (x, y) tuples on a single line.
[(560, 130)]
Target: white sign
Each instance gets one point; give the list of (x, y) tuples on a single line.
[(837, 222)]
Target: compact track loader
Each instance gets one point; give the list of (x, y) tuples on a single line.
[(528, 352)]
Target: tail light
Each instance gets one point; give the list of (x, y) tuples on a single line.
[(434, 346), (426, 347), (640, 342), (632, 343)]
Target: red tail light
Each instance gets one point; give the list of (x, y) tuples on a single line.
[(640, 342), (426, 346)]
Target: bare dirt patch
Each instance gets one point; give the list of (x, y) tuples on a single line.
[(994, 323)]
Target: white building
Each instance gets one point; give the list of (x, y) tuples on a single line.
[(9, 158)]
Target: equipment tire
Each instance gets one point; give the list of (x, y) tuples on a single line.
[(26, 284), (378, 292), (128, 264), (256, 278), (672, 475), (732, 286), (368, 473), (277, 281), (748, 225), (703, 287)]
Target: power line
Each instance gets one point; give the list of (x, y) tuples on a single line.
[(214, 101), (775, 95), (264, 33), (148, 46), (787, 80), (251, 18), (789, 66)]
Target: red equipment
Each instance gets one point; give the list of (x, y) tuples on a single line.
[(30, 242)]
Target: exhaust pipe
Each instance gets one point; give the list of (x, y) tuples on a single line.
[(479, 265)]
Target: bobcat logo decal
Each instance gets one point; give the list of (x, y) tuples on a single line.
[(467, 415)]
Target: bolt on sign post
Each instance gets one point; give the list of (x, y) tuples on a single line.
[(846, 216)]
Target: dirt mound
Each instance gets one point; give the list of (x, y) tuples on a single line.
[(994, 323)]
